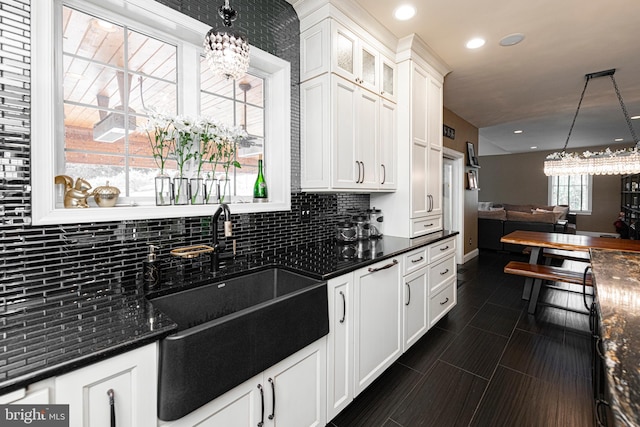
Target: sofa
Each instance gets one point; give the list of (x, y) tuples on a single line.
[(498, 219)]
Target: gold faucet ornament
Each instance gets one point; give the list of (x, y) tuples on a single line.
[(75, 195)]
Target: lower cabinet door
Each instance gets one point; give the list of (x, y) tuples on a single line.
[(378, 321), (240, 407), (340, 345), (295, 389), (123, 387), (442, 302), (415, 307)]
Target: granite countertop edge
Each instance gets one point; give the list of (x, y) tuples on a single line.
[(618, 297), (165, 326)]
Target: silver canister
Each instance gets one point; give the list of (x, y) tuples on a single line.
[(362, 224), (346, 232), (376, 221)]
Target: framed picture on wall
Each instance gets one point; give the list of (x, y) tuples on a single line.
[(472, 160), (472, 180)]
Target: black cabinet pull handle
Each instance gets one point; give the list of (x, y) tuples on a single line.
[(344, 307), (599, 420), (584, 287), (442, 273), (384, 174), (408, 293), (273, 391), (445, 301), (358, 179), (363, 174), (444, 249), (598, 341), (112, 405), (417, 260), (391, 264), (261, 423)]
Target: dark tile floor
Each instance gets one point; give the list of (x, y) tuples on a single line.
[(488, 362)]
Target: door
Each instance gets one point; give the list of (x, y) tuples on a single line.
[(415, 308), (447, 194), (347, 170)]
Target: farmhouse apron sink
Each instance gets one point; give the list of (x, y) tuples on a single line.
[(231, 330)]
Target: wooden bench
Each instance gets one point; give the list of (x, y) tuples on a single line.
[(561, 254), (546, 272)]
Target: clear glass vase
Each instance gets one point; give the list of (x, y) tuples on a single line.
[(196, 191), (163, 190), (211, 191), (180, 191), (224, 190)]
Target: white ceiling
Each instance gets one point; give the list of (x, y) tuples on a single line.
[(535, 85)]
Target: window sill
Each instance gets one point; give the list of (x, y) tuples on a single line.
[(127, 213)]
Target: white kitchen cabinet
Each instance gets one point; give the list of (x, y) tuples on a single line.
[(416, 306), (387, 175), (416, 207), (378, 320), (350, 52), (35, 394), (131, 376), (340, 344), (443, 301), (342, 147), (291, 393), (348, 115)]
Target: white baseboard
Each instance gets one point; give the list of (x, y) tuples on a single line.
[(471, 255)]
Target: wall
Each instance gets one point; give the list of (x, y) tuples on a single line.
[(465, 131), (45, 266), (519, 178)]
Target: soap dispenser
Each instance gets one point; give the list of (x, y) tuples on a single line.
[(151, 270)]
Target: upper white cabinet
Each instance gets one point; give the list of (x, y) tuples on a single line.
[(417, 210), (330, 47), (348, 114)]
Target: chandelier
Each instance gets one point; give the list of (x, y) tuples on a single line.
[(607, 162), (227, 52)]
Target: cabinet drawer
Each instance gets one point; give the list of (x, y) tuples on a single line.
[(442, 249), (442, 302), (414, 260), (422, 226), (441, 272)]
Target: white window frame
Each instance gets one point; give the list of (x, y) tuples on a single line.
[(46, 105), (589, 195)]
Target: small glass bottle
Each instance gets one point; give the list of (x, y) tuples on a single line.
[(260, 194)]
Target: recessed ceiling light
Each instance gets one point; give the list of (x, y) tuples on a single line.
[(511, 39), (104, 25), (534, 147), (518, 131), (475, 43), (619, 139), (635, 117), (404, 12)]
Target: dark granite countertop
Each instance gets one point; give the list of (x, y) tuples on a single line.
[(56, 337), (617, 277)]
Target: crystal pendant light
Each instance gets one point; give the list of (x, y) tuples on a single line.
[(227, 52), (620, 162)]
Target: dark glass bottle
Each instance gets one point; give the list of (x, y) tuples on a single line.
[(260, 187)]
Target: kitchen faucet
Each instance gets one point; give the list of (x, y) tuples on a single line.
[(219, 246)]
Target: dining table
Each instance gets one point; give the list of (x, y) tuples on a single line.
[(615, 265), (539, 240)]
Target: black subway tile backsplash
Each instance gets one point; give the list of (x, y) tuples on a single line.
[(46, 267)]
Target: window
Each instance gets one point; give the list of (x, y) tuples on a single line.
[(117, 59), (574, 191)]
